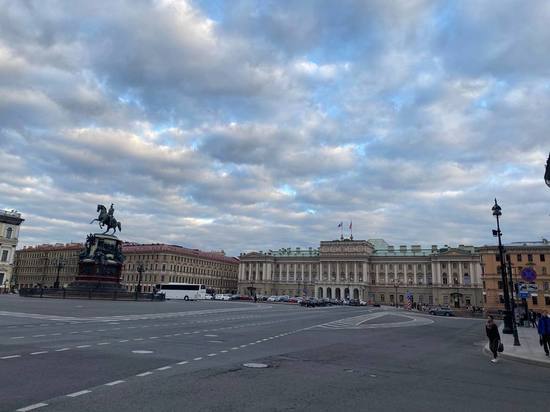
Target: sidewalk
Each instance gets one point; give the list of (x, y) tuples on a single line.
[(530, 350)]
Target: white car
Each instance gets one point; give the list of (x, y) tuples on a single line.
[(223, 297), (273, 299)]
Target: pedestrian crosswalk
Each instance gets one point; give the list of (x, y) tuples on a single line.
[(362, 321)]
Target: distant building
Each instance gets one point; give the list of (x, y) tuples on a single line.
[(39, 265), (169, 263), (10, 222), (520, 255), (369, 270)]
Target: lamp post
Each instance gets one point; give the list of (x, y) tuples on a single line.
[(396, 284), (508, 327), (140, 270), (60, 264), (514, 323)]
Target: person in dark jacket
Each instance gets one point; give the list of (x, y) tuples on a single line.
[(533, 318), (544, 331), (494, 337)]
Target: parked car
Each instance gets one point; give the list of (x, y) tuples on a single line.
[(309, 302), (223, 297), (293, 300), (441, 312), (284, 298), (235, 297), (273, 299), (354, 302)]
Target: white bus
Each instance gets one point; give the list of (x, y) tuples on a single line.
[(185, 291)]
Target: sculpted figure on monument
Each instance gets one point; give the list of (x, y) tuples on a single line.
[(107, 219), (547, 174)]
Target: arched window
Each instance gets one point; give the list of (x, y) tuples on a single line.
[(444, 279), (9, 233)]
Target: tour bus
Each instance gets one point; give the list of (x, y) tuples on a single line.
[(185, 291)]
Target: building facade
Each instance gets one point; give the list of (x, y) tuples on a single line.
[(370, 270), (10, 222), (39, 266), (518, 256), (169, 263)]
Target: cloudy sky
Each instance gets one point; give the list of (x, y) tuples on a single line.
[(247, 125)]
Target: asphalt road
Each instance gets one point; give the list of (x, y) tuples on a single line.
[(79, 355)]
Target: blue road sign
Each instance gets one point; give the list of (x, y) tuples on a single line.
[(523, 294)]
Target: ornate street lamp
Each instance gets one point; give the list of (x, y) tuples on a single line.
[(396, 284), (508, 327), (60, 265), (140, 270)]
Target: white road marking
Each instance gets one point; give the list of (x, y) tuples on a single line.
[(55, 334), (84, 346), (235, 348), (183, 362), (138, 339), (223, 351), (114, 383), (75, 394), (31, 407), (18, 337), (199, 358), (103, 343), (144, 374), (39, 353), (212, 354), (123, 340), (38, 336), (154, 337), (62, 349), (164, 368), (74, 333), (10, 357)]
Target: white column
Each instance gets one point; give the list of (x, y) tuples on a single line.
[(386, 272), (415, 279), (302, 270), (287, 265), (337, 271), (377, 273), (365, 270)]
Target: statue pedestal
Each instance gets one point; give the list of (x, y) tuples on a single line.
[(100, 264)]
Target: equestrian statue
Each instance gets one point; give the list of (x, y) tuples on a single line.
[(547, 174), (106, 218)]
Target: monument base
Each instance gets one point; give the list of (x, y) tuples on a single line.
[(100, 264)]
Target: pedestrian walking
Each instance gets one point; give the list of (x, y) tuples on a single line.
[(494, 337), (544, 332), (533, 318)]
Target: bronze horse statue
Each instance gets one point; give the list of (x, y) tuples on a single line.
[(107, 219), (547, 174)]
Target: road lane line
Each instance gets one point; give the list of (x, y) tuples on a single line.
[(79, 393), (84, 346), (183, 362), (10, 357), (164, 368), (197, 359), (124, 340), (18, 337), (212, 354), (223, 351), (144, 374), (38, 336), (114, 383), (104, 343), (39, 353), (62, 349), (31, 407)]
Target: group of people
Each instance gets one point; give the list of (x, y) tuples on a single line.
[(543, 328)]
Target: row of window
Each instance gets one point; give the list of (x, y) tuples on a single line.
[(519, 257), (175, 258)]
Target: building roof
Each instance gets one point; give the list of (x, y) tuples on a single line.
[(52, 248), (544, 243), (179, 250)]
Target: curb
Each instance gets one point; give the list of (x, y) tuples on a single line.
[(516, 358)]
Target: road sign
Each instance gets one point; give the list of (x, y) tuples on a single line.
[(523, 294), (528, 287), (528, 274)]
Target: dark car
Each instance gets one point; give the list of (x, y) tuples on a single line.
[(354, 302), (309, 302), (441, 312)]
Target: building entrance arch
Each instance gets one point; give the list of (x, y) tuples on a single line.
[(346, 293), (356, 294), (329, 293), (337, 293), (320, 293)]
